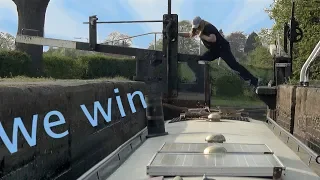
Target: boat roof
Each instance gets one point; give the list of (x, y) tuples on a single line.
[(196, 130)]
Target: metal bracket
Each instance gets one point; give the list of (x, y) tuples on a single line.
[(182, 116), (318, 159), (277, 173), (156, 62), (93, 32), (283, 64), (30, 32), (152, 79), (94, 20)]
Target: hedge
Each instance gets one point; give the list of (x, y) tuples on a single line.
[(13, 63), (97, 66), (60, 67)]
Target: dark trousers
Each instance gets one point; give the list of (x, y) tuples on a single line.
[(226, 54)]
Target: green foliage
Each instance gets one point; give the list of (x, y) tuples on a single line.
[(72, 53), (6, 41), (252, 42), (219, 74), (266, 37), (187, 45), (227, 84), (14, 63), (260, 57), (104, 66), (305, 11), (237, 42), (185, 74), (118, 39), (62, 67), (159, 45)]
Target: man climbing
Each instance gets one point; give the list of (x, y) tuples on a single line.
[(217, 47)]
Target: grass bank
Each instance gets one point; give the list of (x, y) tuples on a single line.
[(240, 102)]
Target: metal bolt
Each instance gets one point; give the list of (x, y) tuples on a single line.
[(318, 159)]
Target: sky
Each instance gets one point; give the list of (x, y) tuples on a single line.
[(64, 18)]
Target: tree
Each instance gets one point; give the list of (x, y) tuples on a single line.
[(252, 42), (185, 45), (260, 58), (118, 39), (6, 41), (305, 11), (237, 43), (31, 15), (73, 53), (158, 45), (266, 37)]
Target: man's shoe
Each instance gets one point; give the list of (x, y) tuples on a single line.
[(203, 62), (257, 84)]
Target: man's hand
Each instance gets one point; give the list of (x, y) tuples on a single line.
[(192, 34), (185, 34)]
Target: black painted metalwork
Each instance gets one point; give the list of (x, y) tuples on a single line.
[(123, 22), (295, 33), (282, 70), (158, 69), (93, 32), (169, 7), (207, 87), (170, 53), (285, 37), (282, 63), (155, 117)]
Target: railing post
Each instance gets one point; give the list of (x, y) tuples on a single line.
[(93, 32)]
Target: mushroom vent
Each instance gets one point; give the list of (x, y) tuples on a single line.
[(217, 138), (214, 149), (214, 117)]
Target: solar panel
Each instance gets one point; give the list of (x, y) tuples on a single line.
[(219, 164), (199, 148)]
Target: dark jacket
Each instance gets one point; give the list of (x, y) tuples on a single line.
[(221, 41)]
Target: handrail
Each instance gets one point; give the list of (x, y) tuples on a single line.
[(299, 143), (92, 172), (124, 22), (304, 75), (130, 37)]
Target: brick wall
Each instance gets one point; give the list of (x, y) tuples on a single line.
[(305, 103)]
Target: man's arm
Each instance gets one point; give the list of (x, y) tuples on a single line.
[(211, 38), (185, 34)]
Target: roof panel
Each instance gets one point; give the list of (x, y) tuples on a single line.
[(200, 147)]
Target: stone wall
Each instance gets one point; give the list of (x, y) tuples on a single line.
[(307, 117), (284, 106), (85, 145), (304, 114)]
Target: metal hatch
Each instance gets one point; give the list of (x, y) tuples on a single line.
[(218, 164), (230, 147)]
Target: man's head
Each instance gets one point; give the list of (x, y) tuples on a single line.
[(196, 22), (195, 25)]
